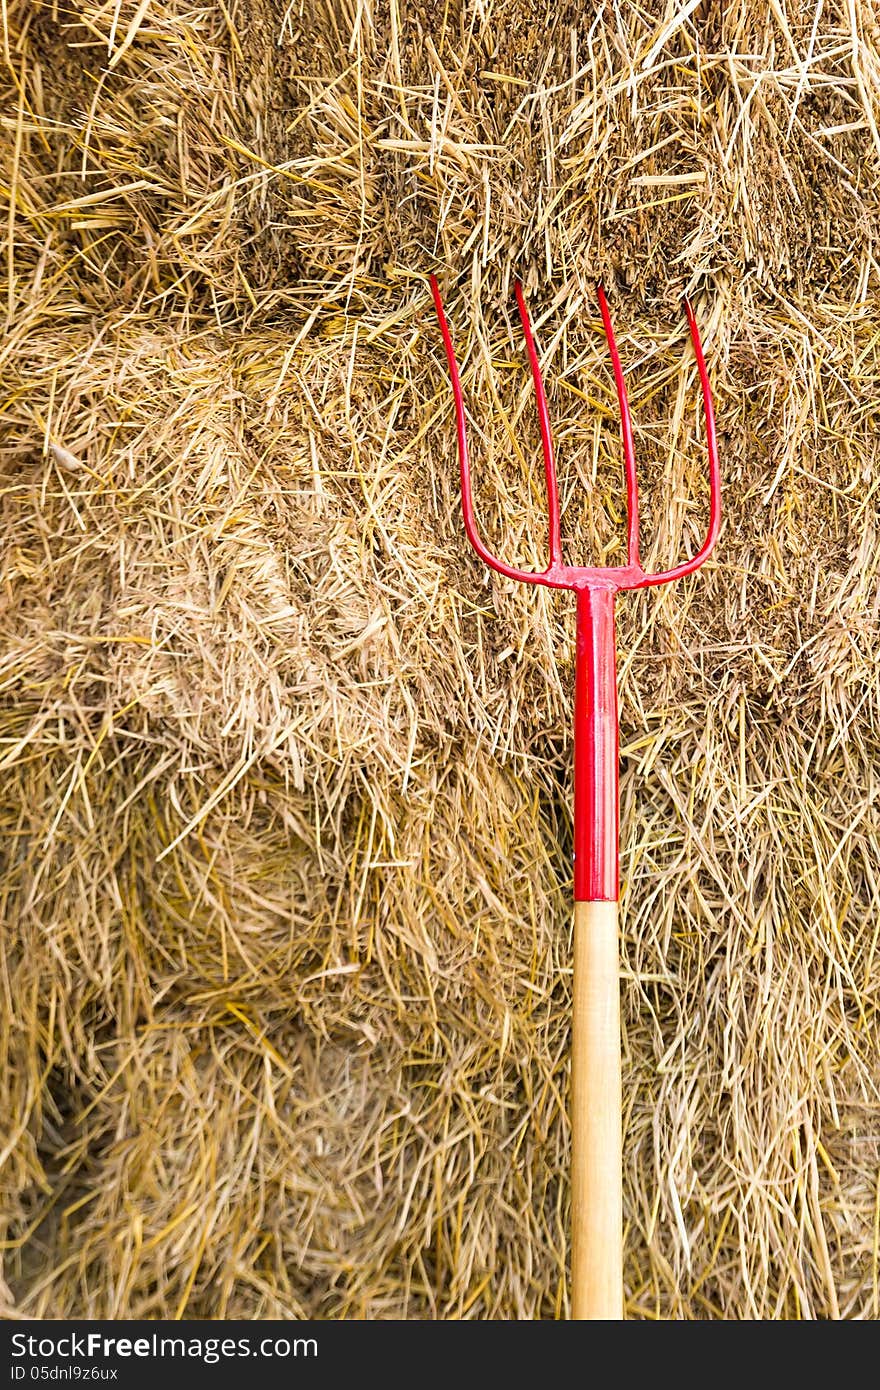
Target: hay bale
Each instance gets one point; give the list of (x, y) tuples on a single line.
[(285, 793)]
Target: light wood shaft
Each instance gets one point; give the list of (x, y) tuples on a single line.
[(596, 1144)]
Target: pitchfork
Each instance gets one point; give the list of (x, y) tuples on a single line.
[(596, 1185)]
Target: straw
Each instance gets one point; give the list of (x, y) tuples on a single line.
[(281, 766)]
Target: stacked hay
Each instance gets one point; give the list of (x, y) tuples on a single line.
[(284, 866)]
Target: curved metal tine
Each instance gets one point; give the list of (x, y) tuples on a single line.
[(688, 566), (629, 454), (555, 536), (467, 503)]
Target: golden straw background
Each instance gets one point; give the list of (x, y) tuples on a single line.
[(285, 792)]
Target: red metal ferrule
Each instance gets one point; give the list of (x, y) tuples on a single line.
[(596, 750)]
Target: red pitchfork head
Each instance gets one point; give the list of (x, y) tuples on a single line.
[(558, 575)]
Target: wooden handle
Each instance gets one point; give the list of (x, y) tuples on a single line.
[(596, 1159)]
